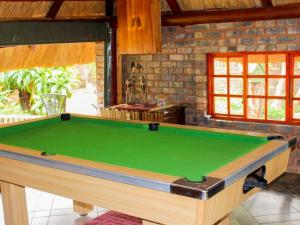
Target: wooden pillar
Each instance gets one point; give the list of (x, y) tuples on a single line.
[(14, 204), (138, 32), (82, 208)]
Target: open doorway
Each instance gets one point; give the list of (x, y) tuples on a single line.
[(84, 97), (63, 69)]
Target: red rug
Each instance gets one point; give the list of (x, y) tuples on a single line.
[(114, 218)]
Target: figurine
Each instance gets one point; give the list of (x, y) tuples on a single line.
[(136, 85)]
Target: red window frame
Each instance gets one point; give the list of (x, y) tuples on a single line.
[(289, 87)]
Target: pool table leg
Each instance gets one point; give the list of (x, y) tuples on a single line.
[(14, 204), (82, 208), (224, 221)]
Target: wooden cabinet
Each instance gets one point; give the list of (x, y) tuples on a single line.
[(166, 114), (139, 26)]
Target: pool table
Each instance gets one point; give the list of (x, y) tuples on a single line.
[(162, 173)]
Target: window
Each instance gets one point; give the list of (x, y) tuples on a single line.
[(255, 86)]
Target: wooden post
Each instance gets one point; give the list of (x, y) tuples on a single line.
[(14, 204), (82, 208)]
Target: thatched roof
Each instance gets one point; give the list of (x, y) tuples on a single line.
[(191, 5), (17, 9), (49, 55), (84, 9), (174, 12)]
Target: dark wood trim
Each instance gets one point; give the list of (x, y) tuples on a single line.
[(174, 6), (234, 15), (109, 8), (266, 3), (99, 19), (106, 76), (114, 78), (54, 9), (46, 32)]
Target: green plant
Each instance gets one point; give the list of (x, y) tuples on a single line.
[(236, 107), (7, 105), (33, 83), (276, 113)]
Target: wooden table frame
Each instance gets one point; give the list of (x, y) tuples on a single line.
[(153, 206)]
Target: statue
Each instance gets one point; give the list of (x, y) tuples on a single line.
[(136, 85)]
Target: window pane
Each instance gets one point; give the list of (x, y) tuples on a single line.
[(256, 64), (236, 106), (221, 105), (276, 87), (296, 87), (276, 109), (236, 66), (256, 108), (220, 85), (277, 64), (236, 86), (297, 66), (220, 66), (296, 109), (256, 86)]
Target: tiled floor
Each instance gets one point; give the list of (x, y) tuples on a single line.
[(278, 205), (48, 209)]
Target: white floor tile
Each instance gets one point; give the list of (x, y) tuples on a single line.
[(62, 203), (61, 212), (32, 198), (68, 220), (45, 202), (40, 221), (44, 213)]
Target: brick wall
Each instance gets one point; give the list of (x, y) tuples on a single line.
[(179, 73), (100, 73)]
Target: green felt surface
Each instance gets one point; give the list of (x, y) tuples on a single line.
[(172, 151)]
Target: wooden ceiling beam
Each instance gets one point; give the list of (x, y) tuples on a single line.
[(99, 19), (174, 6), (46, 32), (54, 9), (234, 15), (266, 3)]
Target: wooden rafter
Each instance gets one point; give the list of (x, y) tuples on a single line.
[(266, 3), (234, 15), (174, 6), (54, 9)]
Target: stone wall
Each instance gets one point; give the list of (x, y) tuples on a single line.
[(179, 73), (100, 73)]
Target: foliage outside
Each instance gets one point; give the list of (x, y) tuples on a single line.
[(32, 84)]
